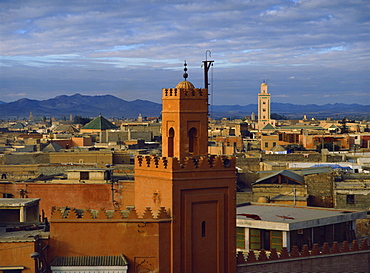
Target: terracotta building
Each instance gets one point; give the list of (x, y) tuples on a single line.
[(184, 215), (313, 142)]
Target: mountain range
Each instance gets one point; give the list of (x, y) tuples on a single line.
[(111, 106)]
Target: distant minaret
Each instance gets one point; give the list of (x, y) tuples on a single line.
[(70, 117), (31, 117), (140, 118), (253, 116), (263, 106)]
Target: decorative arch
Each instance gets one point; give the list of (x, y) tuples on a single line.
[(171, 136), (193, 140)]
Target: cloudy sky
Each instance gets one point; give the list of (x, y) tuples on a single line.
[(310, 51)]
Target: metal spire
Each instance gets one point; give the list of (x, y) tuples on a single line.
[(185, 75)]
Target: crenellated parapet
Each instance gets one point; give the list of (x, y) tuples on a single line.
[(131, 215), (184, 92), (261, 256), (188, 163)]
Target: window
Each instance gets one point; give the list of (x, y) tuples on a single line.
[(265, 239), (350, 199), (192, 140), (254, 239), (266, 144), (203, 228), (273, 144), (171, 135), (240, 238), (84, 175), (276, 239)]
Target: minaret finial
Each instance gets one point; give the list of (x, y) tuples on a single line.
[(185, 75)]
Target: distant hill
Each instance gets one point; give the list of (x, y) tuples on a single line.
[(1, 102), (337, 110), (85, 106), (111, 106)]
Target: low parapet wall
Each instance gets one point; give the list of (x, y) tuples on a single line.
[(352, 257)]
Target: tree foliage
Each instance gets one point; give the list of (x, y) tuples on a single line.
[(81, 120), (277, 116)]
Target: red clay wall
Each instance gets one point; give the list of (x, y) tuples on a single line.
[(94, 196), (12, 253), (145, 244)]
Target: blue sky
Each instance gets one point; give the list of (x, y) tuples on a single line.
[(311, 51)]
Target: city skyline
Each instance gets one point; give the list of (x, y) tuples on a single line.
[(310, 52)]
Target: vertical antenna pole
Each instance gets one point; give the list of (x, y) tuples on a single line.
[(206, 65)]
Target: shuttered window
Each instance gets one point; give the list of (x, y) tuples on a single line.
[(240, 238), (254, 238)]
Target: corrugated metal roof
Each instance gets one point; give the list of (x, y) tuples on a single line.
[(285, 173), (90, 261)]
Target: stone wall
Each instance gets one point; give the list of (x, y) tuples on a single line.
[(361, 201), (31, 171), (247, 178), (244, 197), (320, 188), (251, 164), (54, 169), (26, 158), (19, 172), (101, 158), (271, 190)]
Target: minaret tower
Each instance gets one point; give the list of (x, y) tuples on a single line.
[(184, 120), (31, 118), (196, 189), (263, 106)]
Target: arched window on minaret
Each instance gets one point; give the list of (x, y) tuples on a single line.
[(171, 135), (193, 145)]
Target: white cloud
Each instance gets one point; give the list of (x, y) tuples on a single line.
[(319, 42)]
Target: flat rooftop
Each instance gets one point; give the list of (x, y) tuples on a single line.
[(289, 217), (18, 202), (22, 235)]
